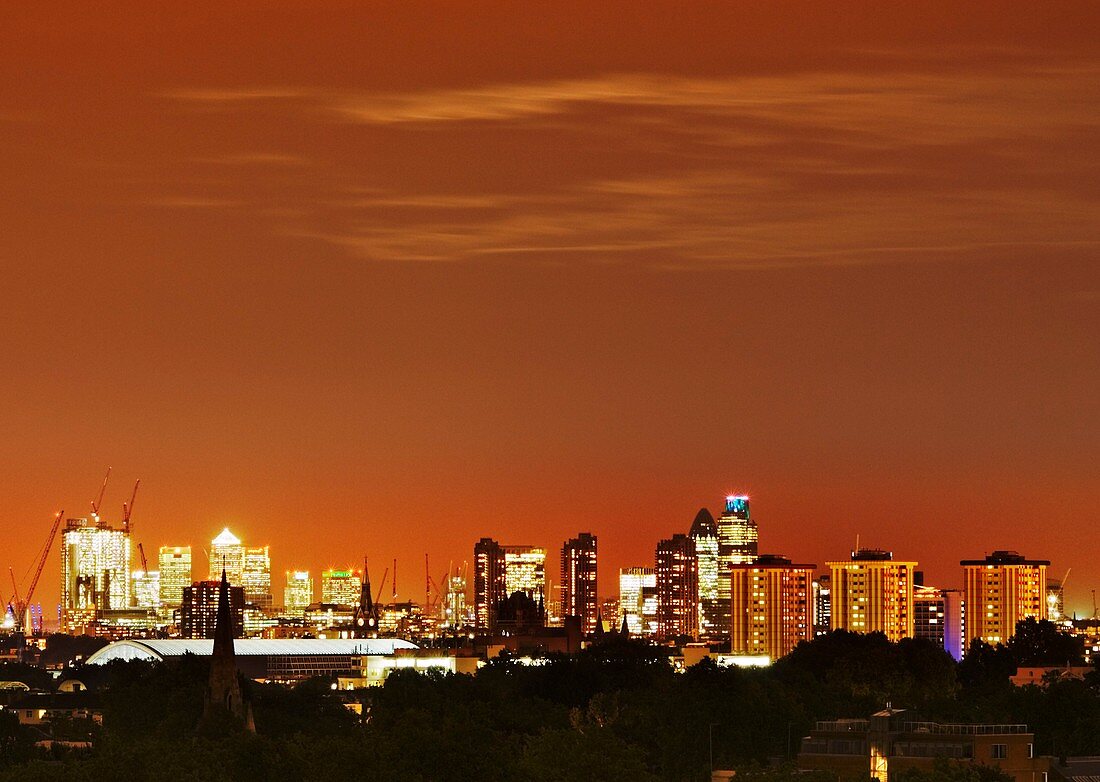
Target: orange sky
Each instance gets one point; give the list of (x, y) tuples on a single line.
[(387, 279)]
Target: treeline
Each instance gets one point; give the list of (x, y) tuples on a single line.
[(617, 711)]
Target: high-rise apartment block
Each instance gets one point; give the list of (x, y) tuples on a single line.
[(175, 574), (227, 553), (298, 592), (677, 587), (489, 582), (772, 609), (1001, 590), (199, 611), (95, 571), (938, 617), (871, 592), (578, 580), (341, 587), (638, 600), (737, 545), (704, 532)]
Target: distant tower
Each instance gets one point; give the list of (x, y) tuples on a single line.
[(223, 693), (677, 587), (489, 582), (737, 545), (705, 534), (578, 580), (365, 620)]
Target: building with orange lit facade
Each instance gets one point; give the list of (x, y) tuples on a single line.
[(677, 587), (1001, 590), (771, 607), (873, 592)]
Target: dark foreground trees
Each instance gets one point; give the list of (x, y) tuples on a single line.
[(615, 712)]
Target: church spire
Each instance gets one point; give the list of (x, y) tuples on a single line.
[(223, 692), (365, 621)]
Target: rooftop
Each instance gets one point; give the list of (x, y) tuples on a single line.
[(160, 649)]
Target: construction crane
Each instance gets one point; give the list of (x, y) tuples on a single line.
[(144, 564), (128, 508), (21, 604), (98, 501)]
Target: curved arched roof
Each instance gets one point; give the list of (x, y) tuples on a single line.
[(161, 648)]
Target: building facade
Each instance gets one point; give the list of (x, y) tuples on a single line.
[(256, 576), (95, 571), (525, 571), (938, 617), (175, 574), (341, 587), (227, 553), (772, 606), (489, 582), (199, 610), (737, 545), (578, 580), (1001, 590), (704, 531), (871, 592), (823, 604), (298, 592), (638, 600), (677, 588)]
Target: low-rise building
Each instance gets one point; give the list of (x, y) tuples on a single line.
[(893, 740)]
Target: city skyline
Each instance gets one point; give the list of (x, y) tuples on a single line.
[(406, 277), (226, 539)]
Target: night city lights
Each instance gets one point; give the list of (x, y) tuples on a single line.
[(577, 391)]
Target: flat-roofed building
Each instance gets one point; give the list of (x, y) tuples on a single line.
[(872, 592), (771, 609), (1001, 590)]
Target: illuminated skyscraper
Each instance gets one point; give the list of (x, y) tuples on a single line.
[(737, 545), (95, 571), (578, 580), (677, 587), (256, 576), (175, 574), (226, 552), (525, 571), (872, 592), (1001, 590), (772, 609), (638, 600), (298, 593), (454, 601), (705, 534), (341, 587), (490, 582), (145, 589)]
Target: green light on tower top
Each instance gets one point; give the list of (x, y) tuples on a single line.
[(738, 504)]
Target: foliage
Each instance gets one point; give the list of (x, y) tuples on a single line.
[(615, 711)]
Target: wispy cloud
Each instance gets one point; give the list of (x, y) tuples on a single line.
[(809, 168)]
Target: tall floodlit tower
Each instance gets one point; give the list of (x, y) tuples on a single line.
[(95, 571), (737, 545), (227, 553)]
